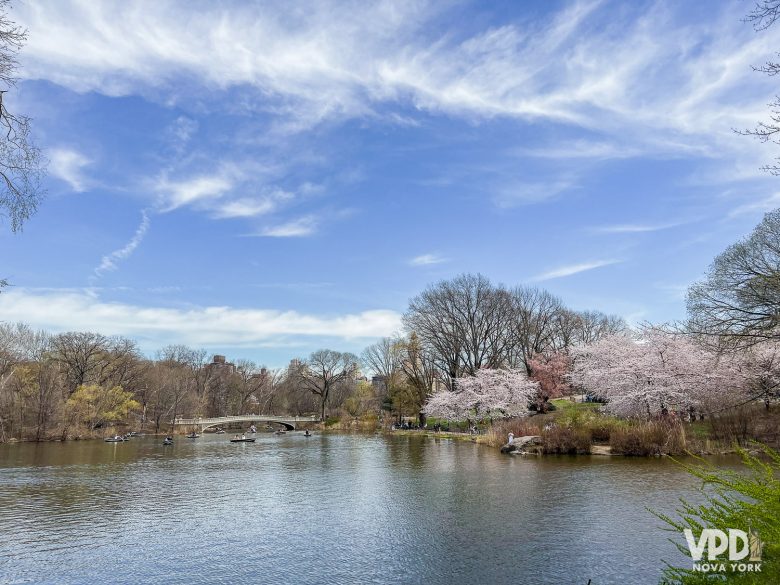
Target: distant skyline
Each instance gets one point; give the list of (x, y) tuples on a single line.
[(264, 180)]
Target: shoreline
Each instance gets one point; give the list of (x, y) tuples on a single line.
[(598, 450)]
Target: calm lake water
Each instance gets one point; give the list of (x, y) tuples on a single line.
[(328, 509)]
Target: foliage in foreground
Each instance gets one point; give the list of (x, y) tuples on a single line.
[(745, 499)]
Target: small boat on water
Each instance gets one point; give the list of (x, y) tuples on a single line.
[(168, 441), (115, 439), (280, 432), (243, 440), (307, 434), (193, 436)]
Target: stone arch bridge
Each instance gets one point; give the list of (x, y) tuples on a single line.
[(288, 422)]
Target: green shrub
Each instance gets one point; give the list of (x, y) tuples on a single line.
[(733, 499)]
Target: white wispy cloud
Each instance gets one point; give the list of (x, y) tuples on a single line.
[(758, 206), (109, 261), (674, 91), (213, 325), (635, 228), (195, 190), (69, 164), (516, 193), (180, 131), (245, 207), (678, 92), (183, 128), (571, 269), (253, 206), (427, 259), (582, 149), (302, 226)]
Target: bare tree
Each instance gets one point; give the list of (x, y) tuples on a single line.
[(764, 14), (383, 358), (535, 325), (81, 354), (92, 358), (44, 374), (288, 395), (29, 380), (251, 382), (195, 360), (464, 322), (269, 388), (738, 302), (420, 372), (566, 324), (123, 365), (168, 392), (21, 163), (324, 371), (595, 325)]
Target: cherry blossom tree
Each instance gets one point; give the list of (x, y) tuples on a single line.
[(655, 372), (552, 373), (763, 361), (489, 392)]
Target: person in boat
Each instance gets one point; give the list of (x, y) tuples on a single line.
[(237, 437), (307, 433), (243, 436)]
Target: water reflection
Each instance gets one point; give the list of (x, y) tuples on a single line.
[(330, 508)]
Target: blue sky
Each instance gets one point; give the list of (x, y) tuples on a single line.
[(266, 179)]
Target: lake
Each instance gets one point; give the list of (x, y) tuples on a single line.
[(331, 508)]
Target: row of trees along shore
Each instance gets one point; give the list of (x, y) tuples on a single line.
[(472, 350)]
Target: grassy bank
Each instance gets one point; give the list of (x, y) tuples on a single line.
[(583, 428)]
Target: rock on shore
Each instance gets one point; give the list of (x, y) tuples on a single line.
[(522, 444)]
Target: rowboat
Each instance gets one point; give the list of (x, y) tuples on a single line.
[(242, 440)]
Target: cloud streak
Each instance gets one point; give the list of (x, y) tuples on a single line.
[(635, 228), (110, 261), (572, 269), (296, 228), (427, 260)]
